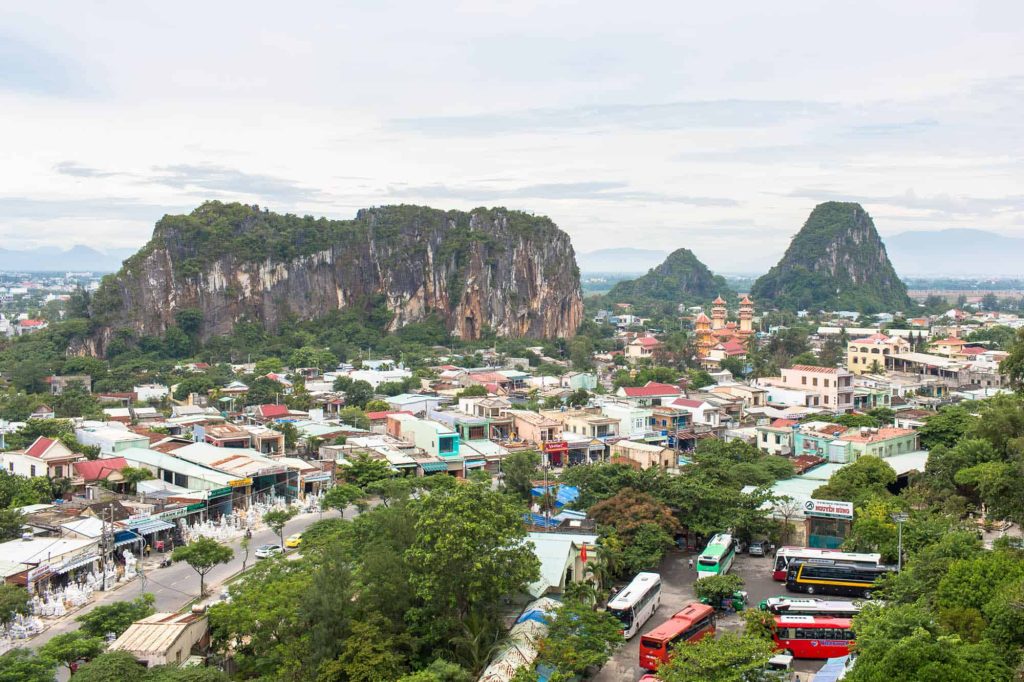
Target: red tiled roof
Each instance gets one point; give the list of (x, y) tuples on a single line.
[(882, 434), (950, 341), (972, 350), (40, 446), (812, 368), (651, 388), (874, 338), (271, 411), (383, 414), (733, 347), (687, 402), (719, 301), (99, 469), (784, 423), (32, 323), (648, 341)]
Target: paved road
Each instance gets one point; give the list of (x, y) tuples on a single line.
[(177, 585), (677, 589)]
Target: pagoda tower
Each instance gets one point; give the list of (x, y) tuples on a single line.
[(746, 315), (718, 313), (705, 338)]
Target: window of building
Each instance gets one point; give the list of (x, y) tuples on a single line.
[(826, 400), (814, 381), (803, 380), (826, 383), (778, 439), (32, 470)]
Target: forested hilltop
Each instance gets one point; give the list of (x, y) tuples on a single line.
[(495, 269), (836, 262)]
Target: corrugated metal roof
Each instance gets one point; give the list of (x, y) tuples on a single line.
[(155, 634)]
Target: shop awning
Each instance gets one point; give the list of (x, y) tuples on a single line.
[(76, 563), (475, 463), (125, 537), (434, 467), (149, 526), (317, 478)]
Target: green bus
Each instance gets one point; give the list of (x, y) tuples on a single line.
[(716, 559)]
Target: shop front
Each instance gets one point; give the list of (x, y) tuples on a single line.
[(556, 452), (827, 522), (219, 502)]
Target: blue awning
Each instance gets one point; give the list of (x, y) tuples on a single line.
[(149, 526), (433, 467), (125, 537), (476, 463), (72, 564), (317, 478)]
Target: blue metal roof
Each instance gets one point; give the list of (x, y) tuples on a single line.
[(564, 494)]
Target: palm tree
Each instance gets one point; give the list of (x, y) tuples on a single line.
[(59, 487), (481, 636)]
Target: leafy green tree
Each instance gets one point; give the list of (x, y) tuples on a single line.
[(116, 616), (172, 674), (946, 427), (377, 406), (69, 647), (630, 511), (342, 496), (200, 384), (113, 666), (310, 356), (469, 551), (578, 398), (369, 654), (474, 391), (874, 530), (729, 657), (271, 365), (190, 321), (440, 670), (363, 471), (579, 638), (868, 477), (353, 416), (358, 394), (717, 589), (134, 475), (11, 523), (277, 519), (262, 625), (203, 555), (519, 470), (24, 665), (291, 433), (1013, 364), (14, 600)]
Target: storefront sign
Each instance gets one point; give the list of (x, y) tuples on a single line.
[(172, 514), (240, 483), (556, 446), (218, 492), (830, 509), (196, 507)]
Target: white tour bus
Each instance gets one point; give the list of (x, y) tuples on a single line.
[(637, 602)]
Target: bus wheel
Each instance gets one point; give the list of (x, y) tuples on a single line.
[(810, 589)]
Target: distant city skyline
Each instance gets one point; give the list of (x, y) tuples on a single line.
[(714, 128)]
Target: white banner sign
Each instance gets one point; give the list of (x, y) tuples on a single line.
[(829, 509)]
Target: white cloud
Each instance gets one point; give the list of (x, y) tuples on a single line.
[(711, 127)]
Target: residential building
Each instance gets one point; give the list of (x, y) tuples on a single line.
[(883, 442), (643, 455), (642, 348), (579, 380), (703, 412), (777, 438), (752, 396), (165, 638), (587, 422), (108, 437), (145, 393), (534, 427), (867, 354), (633, 419), (949, 347), (58, 384), (44, 457), (414, 403), (831, 387), (651, 393)]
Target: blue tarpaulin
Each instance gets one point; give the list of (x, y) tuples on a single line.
[(540, 520), (564, 494), (832, 670), (533, 614)]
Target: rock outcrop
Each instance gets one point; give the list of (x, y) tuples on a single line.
[(836, 262), (506, 271)]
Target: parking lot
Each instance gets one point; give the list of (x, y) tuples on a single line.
[(677, 589)]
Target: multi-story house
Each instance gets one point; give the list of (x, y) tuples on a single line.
[(867, 354), (831, 387)]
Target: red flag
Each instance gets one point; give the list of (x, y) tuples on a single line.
[(583, 553)]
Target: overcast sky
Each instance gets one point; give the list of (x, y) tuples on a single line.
[(715, 126)]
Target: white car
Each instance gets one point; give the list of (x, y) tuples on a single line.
[(265, 551)]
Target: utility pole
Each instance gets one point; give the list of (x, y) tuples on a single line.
[(105, 541), (900, 519)]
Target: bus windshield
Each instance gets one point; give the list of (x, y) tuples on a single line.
[(624, 615), (707, 561)]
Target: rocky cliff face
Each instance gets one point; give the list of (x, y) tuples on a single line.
[(837, 261), (508, 271)]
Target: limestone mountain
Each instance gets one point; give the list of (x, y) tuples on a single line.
[(506, 271), (681, 278), (836, 261)]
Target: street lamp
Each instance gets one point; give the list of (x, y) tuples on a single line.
[(900, 519)]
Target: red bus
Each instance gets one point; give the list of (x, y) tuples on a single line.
[(785, 555), (691, 624), (813, 636)]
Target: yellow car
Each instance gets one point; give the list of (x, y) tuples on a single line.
[(293, 540)]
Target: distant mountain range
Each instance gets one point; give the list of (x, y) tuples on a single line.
[(52, 259), (955, 252), (624, 260), (933, 253)]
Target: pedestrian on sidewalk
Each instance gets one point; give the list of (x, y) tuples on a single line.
[(690, 563), (147, 550)]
